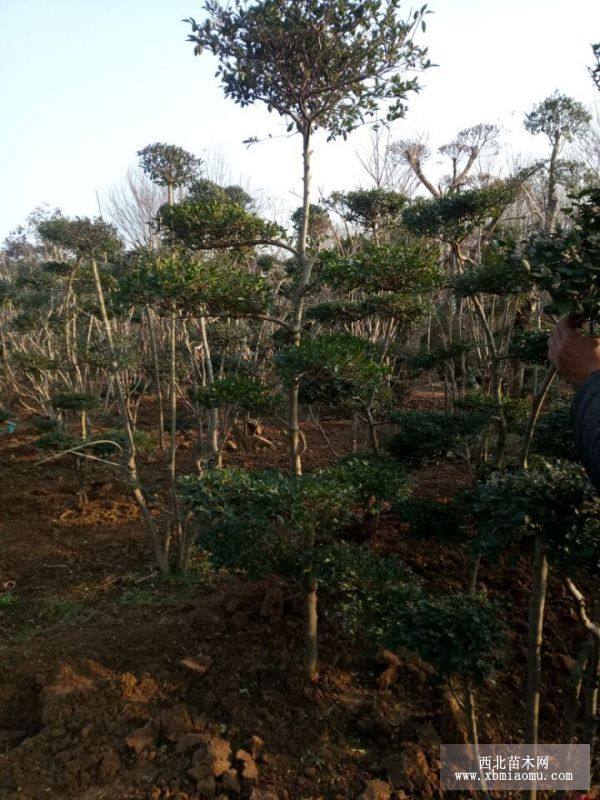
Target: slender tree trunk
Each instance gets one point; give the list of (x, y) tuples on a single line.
[(534, 655), (173, 426), (156, 367), (306, 271), (552, 201), (311, 617), (161, 557), (213, 419), (536, 407), (590, 724)]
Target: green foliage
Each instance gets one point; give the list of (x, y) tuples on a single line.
[(44, 424), (57, 441), (76, 401), (529, 346), (216, 224), (107, 443), (554, 500), (376, 482), (202, 189), (566, 263), (481, 408), (368, 207), (333, 64), (595, 70), (333, 368), (193, 285), (364, 586), (84, 237), (34, 362), (409, 265), (242, 393), (429, 434), (499, 274), (260, 521), (319, 223), (125, 353), (406, 310), (458, 635), (168, 165), (8, 600), (58, 268), (558, 116), (427, 358), (432, 519), (453, 217), (553, 435)]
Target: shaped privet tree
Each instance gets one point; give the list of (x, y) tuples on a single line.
[(169, 165), (554, 505), (560, 119), (327, 66), (173, 167)]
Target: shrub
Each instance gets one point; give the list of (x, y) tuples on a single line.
[(375, 481), (554, 500), (241, 393), (144, 442), (431, 519), (566, 264), (34, 362), (553, 435), (481, 408), (260, 521), (428, 358), (458, 635), (57, 441), (501, 275), (335, 369), (429, 434), (75, 401), (44, 424), (529, 346)]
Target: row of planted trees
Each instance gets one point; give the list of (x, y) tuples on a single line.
[(230, 325)]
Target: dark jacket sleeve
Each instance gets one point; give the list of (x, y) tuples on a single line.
[(585, 418)]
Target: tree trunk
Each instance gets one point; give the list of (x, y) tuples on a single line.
[(306, 271), (213, 419), (156, 366), (173, 426), (534, 654), (538, 402), (162, 559)]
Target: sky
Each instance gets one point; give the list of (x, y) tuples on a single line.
[(85, 84)]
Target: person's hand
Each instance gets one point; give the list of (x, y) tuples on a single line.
[(575, 356)]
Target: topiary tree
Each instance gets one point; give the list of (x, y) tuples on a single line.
[(565, 262), (376, 482), (372, 209), (560, 119), (168, 165), (554, 506), (328, 66), (427, 434)]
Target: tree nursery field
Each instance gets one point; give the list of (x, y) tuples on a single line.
[(285, 507)]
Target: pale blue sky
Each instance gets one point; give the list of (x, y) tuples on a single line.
[(84, 84)]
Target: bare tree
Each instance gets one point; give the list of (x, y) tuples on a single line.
[(131, 205)]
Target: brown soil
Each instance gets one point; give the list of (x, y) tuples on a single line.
[(95, 701)]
